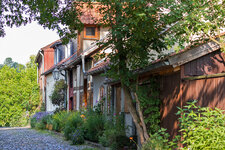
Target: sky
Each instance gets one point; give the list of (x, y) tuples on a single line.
[(20, 43)]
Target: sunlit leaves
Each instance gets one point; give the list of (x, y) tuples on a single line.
[(19, 94)]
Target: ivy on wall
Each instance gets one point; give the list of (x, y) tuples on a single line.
[(148, 94)]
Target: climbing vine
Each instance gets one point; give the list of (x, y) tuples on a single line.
[(148, 94)]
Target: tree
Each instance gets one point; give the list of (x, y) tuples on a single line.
[(19, 95), (53, 14), (10, 63), (137, 27)]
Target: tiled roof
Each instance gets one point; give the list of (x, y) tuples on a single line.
[(87, 52), (90, 15), (167, 61), (49, 45), (46, 48)]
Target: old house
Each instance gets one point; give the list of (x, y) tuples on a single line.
[(45, 60), (80, 85), (56, 56), (80, 88), (71, 61)]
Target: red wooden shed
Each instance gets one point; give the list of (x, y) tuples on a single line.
[(194, 74)]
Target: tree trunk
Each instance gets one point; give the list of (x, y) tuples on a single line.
[(140, 112), (141, 117), (134, 114), (123, 77)]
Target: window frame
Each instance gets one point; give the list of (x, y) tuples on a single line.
[(91, 36)]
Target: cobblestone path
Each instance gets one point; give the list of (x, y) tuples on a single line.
[(29, 139)]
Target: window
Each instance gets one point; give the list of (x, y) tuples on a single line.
[(90, 32), (59, 53), (102, 97), (73, 46)]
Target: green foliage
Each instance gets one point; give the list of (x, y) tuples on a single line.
[(33, 122), (114, 135), (40, 119), (201, 127), (93, 125), (42, 107), (10, 63), (47, 119), (58, 94), (98, 109), (59, 120), (40, 125), (148, 95), (159, 141), (77, 136), (72, 123), (19, 95)]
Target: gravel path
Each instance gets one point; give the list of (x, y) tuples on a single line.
[(30, 139)]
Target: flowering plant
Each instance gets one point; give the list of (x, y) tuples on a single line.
[(39, 115), (77, 136)]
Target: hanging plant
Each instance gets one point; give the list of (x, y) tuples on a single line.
[(58, 94)]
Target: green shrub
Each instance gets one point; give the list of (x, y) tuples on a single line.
[(93, 126), (47, 119), (39, 117), (77, 136), (72, 123), (159, 141), (202, 127), (114, 135), (40, 125), (33, 122), (43, 107), (59, 120)]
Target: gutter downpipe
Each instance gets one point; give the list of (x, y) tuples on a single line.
[(65, 99), (83, 63), (43, 86)]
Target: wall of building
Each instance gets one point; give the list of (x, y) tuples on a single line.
[(179, 87), (170, 99), (88, 42), (103, 32), (48, 58), (78, 85), (40, 77), (49, 89), (98, 81)]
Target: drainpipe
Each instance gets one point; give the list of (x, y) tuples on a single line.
[(65, 99), (43, 86), (83, 63), (37, 73)]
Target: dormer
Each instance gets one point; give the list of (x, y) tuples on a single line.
[(59, 53), (64, 51), (71, 47), (91, 19)]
